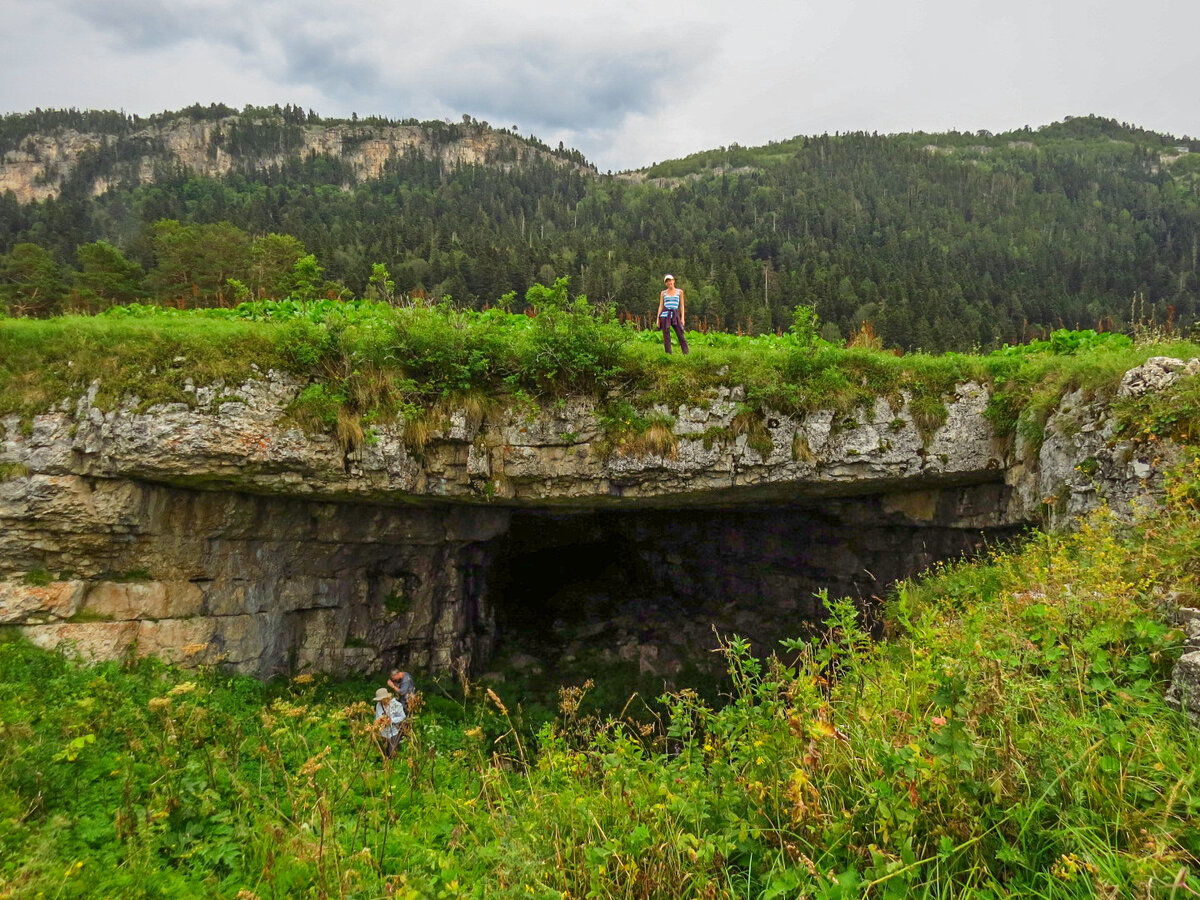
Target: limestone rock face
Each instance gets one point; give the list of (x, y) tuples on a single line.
[(1156, 374), (37, 169), (1084, 460), (213, 530), (231, 437), (1184, 692), (262, 584)]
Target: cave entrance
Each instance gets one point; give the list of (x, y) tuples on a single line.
[(556, 572), (579, 594)]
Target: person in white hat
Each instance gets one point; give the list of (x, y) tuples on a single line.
[(389, 713), (672, 313)]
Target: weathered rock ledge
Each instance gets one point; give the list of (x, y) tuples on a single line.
[(235, 438), (216, 530)]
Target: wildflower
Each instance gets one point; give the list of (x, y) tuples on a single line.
[(194, 649), (157, 704), (303, 679), (939, 721), (185, 687), (1069, 865), (473, 733)]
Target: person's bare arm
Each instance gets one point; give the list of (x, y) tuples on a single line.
[(682, 310), (661, 294)]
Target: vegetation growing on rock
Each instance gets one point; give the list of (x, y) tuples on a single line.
[(368, 362)]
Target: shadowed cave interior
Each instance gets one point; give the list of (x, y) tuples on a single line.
[(646, 593)]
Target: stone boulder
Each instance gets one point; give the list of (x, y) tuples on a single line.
[(1156, 374)]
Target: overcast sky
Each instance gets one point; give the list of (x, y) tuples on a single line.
[(628, 82)]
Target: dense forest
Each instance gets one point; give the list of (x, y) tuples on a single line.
[(939, 241)]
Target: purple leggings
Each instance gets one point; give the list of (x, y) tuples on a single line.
[(668, 320)]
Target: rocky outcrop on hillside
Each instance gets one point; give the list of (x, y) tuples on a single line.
[(1084, 460), (237, 438), (216, 529), (37, 169)]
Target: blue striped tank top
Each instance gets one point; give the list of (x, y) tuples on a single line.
[(671, 301)]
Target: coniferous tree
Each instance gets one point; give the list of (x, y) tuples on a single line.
[(106, 277), (31, 282)]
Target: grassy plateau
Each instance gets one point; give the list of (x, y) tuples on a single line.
[(367, 363)]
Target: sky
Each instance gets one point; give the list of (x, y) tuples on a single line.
[(627, 82)]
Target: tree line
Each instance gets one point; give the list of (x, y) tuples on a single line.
[(939, 241)]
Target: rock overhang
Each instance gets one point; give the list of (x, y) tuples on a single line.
[(298, 549), (559, 457)]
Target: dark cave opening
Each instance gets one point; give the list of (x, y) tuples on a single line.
[(565, 569), (654, 590)]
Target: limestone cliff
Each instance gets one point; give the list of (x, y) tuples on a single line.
[(215, 530), (37, 169)]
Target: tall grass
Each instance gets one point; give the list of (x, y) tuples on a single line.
[(1008, 738)]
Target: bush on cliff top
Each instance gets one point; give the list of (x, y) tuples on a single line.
[(372, 362)]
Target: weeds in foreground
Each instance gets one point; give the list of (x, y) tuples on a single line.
[(1009, 738)]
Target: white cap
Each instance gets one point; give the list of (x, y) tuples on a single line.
[(668, 278)]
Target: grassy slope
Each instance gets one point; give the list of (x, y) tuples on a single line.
[(370, 363), (1009, 738)]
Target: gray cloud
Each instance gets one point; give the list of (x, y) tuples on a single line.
[(631, 81), (556, 88), (334, 69), (150, 24), (374, 61)]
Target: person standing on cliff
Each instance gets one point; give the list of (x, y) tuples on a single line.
[(389, 715), (672, 313)]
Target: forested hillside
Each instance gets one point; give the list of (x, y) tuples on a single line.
[(939, 241)]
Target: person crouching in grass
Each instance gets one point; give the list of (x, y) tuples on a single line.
[(389, 714)]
